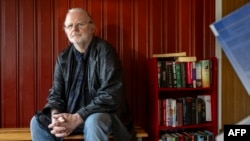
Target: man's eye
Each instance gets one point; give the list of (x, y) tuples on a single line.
[(69, 26), (80, 24)]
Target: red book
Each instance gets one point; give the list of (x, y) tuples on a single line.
[(179, 112), (189, 78), (163, 112)]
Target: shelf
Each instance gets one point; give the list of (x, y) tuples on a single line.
[(186, 127), (184, 89), (156, 94)]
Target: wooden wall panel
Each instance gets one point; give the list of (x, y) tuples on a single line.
[(59, 38), (9, 63), (172, 27), (208, 37), (186, 25), (235, 100), (32, 36), (26, 62), (44, 49)]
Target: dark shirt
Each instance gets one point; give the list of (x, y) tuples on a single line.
[(78, 89)]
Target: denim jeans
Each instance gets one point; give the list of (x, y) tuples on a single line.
[(96, 127)]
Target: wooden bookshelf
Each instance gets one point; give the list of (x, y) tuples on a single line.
[(157, 93)]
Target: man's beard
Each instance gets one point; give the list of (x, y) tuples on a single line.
[(77, 39)]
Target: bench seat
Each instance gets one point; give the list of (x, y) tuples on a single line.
[(23, 134)]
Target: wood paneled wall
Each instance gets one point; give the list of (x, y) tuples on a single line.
[(31, 36), (234, 99)]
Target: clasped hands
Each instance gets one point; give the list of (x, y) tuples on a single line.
[(63, 124)]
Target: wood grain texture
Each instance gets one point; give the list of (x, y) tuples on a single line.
[(234, 99)]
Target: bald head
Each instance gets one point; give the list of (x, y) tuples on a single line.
[(79, 11)]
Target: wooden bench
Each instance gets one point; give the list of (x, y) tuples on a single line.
[(23, 134)]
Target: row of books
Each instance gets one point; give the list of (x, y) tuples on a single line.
[(200, 135), (175, 70), (185, 111)]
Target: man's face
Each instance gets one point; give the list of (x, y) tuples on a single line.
[(78, 28)]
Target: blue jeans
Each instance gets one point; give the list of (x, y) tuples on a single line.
[(97, 127)]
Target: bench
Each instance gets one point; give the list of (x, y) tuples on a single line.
[(23, 134)]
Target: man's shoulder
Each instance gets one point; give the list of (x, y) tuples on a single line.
[(65, 53), (101, 43)]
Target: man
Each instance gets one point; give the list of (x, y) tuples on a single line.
[(87, 95)]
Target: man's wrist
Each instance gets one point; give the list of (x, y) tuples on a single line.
[(78, 118)]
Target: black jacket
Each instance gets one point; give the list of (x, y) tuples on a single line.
[(105, 86)]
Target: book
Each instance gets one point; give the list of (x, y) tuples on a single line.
[(163, 112), (200, 111), (174, 74), (188, 72), (175, 137), (169, 74), (183, 74), (210, 135), (181, 137), (205, 73), (186, 59), (188, 110), (208, 112), (179, 112), (194, 74), (198, 74), (232, 32), (159, 73), (166, 137), (178, 74), (201, 136), (162, 73), (166, 55), (171, 112)]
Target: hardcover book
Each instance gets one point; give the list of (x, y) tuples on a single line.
[(233, 33), (166, 55), (205, 73), (186, 59), (207, 100)]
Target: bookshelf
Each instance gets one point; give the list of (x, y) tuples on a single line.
[(156, 93)]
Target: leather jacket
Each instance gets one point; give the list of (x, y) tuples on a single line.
[(105, 86)]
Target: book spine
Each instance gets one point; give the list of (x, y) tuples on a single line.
[(173, 112), (207, 100), (200, 113), (159, 72), (174, 74), (205, 73), (163, 112), (168, 116), (189, 80), (178, 74), (163, 74), (169, 72), (194, 73), (183, 74), (198, 75), (179, 112)]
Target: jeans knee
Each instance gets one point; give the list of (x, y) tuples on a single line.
[(98, 121), (33, 122)]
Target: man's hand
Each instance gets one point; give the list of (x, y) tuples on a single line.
[(63, 124)]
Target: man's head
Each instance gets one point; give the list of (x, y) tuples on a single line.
[(79, 27)]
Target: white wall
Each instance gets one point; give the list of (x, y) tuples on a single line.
[(218, 15)]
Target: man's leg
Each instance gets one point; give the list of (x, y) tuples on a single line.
[(98, 127), (38, 133)]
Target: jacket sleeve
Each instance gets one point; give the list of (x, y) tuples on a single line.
[(56, 98), (105, 83)]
